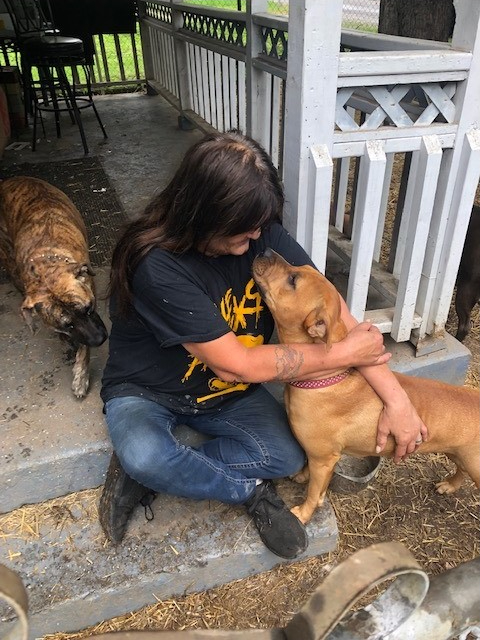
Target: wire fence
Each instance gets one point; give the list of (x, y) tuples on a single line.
[(357, 14)]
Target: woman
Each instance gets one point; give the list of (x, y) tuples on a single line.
[(188, 345)]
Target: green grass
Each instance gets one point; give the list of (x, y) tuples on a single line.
[(111, 58), (277, 8)]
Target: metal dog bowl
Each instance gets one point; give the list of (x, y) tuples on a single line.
[(353, 474)]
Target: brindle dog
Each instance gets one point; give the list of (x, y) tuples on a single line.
[(43, 246)]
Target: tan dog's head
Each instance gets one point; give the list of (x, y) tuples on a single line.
[(304, 304), (62, 296)]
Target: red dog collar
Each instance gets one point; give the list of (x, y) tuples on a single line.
[(320, 384)]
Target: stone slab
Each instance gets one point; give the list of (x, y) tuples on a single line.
[(75, 578), (51, 443), (449, 364)]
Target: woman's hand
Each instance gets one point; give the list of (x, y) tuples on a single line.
[(364, 346), (401, 421)]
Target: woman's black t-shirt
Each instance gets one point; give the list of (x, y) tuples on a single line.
[(189, 298)]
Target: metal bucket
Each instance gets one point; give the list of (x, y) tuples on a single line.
[(353, 474)]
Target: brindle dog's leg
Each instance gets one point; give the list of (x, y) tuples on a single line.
[(7, 260), (80, 371)]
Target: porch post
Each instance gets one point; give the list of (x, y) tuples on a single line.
[(255, 78), (181, 65), (313, 51), (457, 182), (146, 43)]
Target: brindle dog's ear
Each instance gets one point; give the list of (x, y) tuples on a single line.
[(30, 310), (83, 270), (32, 269)]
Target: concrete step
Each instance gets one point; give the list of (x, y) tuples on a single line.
[(52, 443), (75, 579)]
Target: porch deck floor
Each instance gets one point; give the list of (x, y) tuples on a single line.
[(53, 444)]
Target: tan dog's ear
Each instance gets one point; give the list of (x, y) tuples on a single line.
[(30, 309), (317, 325)]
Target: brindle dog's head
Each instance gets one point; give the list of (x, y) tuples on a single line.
[(63, 297), (304, 304)]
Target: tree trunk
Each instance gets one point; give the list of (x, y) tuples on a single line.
[(428, 19)]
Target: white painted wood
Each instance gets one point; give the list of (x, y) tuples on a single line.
[(242, 98), (388, 105), (233, 92), (276, 120), (403, 78), (313, 52), (323, 175), (227, 105), (256, 81), (211, 89), (367, 210), (390, 63), (380, 280), (441, 103), (456, 229), (383, 319), (433, 289), (192, 66), (403, 238), (425, 177), (205, 56), (200, 69), (383, 42), (181, 70), (343, 169), (383, 206), (401, 140), (217, 72), (344, 117)]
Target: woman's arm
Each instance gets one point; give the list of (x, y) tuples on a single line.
[(233, 361), (399, 417)]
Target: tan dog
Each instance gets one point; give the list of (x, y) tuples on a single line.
[(343, 417), (43, 246)]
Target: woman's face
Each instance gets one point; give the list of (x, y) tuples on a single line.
[(230, 245)]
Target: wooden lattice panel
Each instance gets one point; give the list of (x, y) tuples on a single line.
[(158, 12), (402, 105), (220, 29), (275, 43)]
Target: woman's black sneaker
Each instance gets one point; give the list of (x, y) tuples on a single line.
[(279, 529), (121, 494)]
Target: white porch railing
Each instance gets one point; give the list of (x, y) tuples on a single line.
[(337, 111), (202, 60)]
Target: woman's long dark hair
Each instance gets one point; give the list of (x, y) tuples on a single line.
[(225, 185)]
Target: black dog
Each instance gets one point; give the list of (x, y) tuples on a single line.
[(468, 278)]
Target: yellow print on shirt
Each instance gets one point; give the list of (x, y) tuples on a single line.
[(235, 313)]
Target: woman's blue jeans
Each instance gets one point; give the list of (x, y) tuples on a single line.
[(250, 439)]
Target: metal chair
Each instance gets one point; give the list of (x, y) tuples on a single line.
[(58, 60)]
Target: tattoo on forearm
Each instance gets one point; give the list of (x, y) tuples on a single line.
[(288, 362)]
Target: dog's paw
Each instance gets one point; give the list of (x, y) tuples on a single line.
[(445, 487), (302, 476), (300, 514), (80, 384)]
